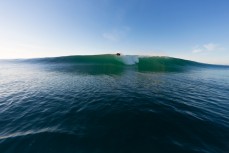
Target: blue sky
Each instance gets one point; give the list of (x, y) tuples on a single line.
[(191, 29)]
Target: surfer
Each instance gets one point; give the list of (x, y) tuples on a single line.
[(118, 54)]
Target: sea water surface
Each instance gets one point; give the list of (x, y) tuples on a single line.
[(109, 104)]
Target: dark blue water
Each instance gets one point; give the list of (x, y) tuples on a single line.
[(65, 108)]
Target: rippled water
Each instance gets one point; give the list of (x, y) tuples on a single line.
[(56, 108)]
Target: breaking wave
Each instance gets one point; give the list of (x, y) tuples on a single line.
[(107, 59), (113, 64), (108, 63)]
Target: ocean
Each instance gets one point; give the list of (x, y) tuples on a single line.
[(113, 104)]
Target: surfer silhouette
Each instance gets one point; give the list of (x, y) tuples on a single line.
[(118, 54)]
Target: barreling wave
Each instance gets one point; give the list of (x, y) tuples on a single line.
[(111, 63), (107, 59)]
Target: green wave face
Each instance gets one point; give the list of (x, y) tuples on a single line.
[(90, 59), (91, 64), (112, 64), (165, 64)]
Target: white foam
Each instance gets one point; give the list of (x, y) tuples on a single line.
[(130, 59)]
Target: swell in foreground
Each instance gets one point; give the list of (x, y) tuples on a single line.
[(110, 104)]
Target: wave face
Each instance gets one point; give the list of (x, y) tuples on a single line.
[(112, 63), (117, 60), (110, 104)]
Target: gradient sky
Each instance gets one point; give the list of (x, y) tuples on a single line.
[(191, 29)]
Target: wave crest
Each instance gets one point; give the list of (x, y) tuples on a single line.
[(130, 59)]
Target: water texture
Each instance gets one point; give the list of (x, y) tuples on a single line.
[(110, 104)]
